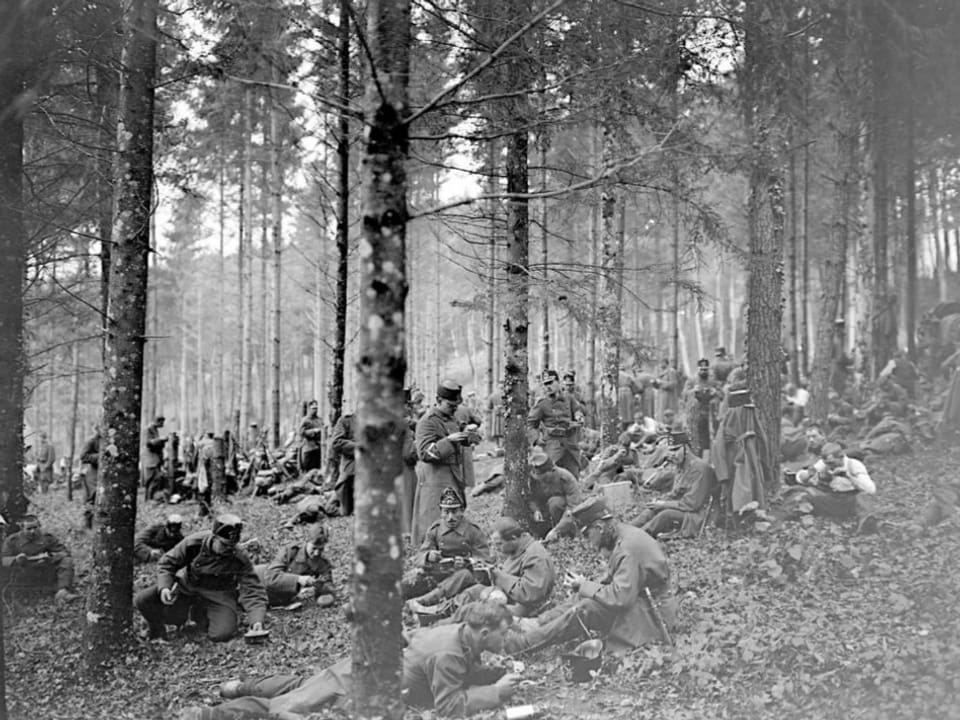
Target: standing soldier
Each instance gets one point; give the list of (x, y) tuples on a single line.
[(343, 444), (667, 385), (469, 420), (554, 423), (89, 464), (702, 402), (45, 456), (311, 439), (152, 459), (439, 442)]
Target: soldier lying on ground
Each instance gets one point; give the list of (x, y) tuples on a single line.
[(441, 670)]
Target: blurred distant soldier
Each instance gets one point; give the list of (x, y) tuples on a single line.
[(311, 439), (45, 456), (36, 560), (89, 469), (702, 404), (151, 459), (469, 420), (668, 388), (723, 365), (155, 540)]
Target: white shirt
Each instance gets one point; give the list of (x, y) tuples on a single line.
[(857, 477)]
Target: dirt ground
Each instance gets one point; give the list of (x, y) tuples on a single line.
[(800, 621)]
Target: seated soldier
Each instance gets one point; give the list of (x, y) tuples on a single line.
[(208, 577), (553, 491), (441, 670), (696, 488), (448, 545), (628, 607), (36, 561), (526, 576), (620, 461), (835, 485), (155, 540), (299, 570)]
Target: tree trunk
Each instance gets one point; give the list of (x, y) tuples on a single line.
[(218, 383), (15, 99), (377, 639), (609, 302), (764, 31), (343, 209), (266, 332), (109, 611), (184, 401), (910, 241), (596, 413), (516, 298), (74, 408), (244, 261), (201, 385), (276, 185), (544, 238)]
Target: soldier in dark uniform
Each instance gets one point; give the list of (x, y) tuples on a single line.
[(36, 560), (207, 576), (311, 439), (90, 462), (152, 542), (702, 402), (345, 446), (553, 490), (555, 420), (447, 546)]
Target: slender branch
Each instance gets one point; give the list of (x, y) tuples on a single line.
[(504, 46)]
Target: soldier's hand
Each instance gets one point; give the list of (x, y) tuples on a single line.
[(537, 516), (574, 580), (20, 559), (166, 596), (433, 556), (306, 580), (507, 683), (41, 557), (457, 437), (155, 554), (459, 563)]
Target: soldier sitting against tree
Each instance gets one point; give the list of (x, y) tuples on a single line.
[(448, 545), (35, 560)]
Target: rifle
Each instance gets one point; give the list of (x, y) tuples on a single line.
[(655, 607)]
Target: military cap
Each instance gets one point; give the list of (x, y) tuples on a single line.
[(589, 511), (450, 390), (679, 437), (720, 351), (539, 460), (174, 519), (450, 498), (550, 376), (318, 535), (570, 375), (508, 528), (228, 527), (703, 362)]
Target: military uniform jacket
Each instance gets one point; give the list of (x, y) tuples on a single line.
[(90, 454), (152, 447), (291, 562), (636, 562), (344, 445), (158, 537), (43, 543), (194, 565), (311, 433), (465, 540), (528, 576), (439, 454), (556, 483), (442, 671), (556, 419)]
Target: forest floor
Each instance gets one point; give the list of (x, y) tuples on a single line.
[(803, 620)]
